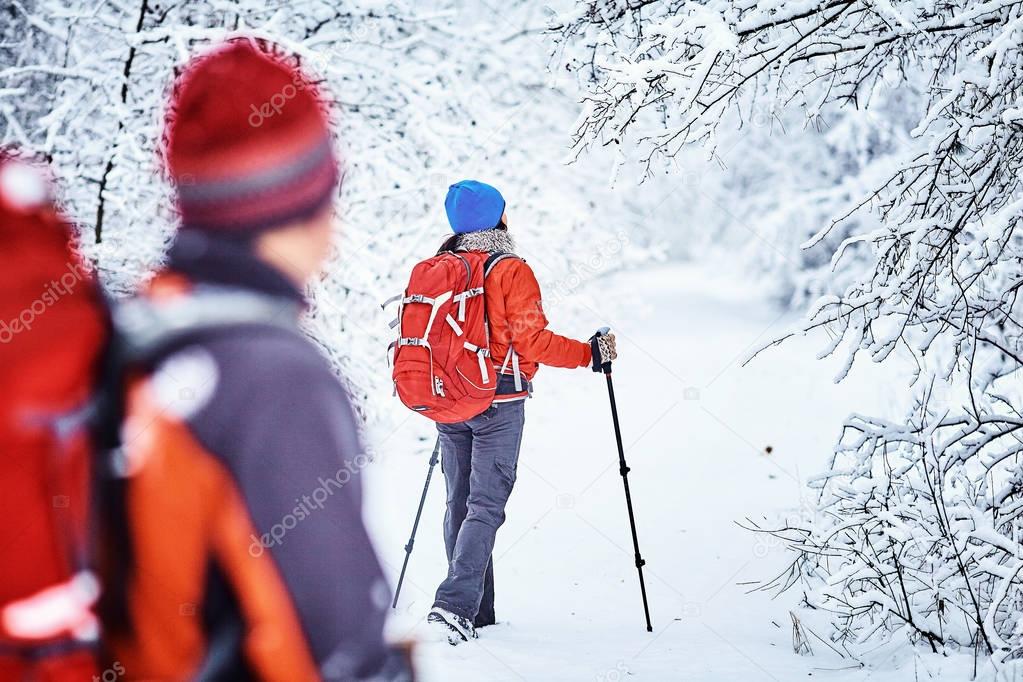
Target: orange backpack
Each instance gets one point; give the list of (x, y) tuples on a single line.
[(442, 366)]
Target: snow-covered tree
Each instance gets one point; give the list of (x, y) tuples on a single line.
[(919, 527), (424, 97)]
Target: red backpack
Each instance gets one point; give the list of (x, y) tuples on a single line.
[(52, 333), (442, 366)]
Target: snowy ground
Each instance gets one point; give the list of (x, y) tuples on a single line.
[(696, 426)]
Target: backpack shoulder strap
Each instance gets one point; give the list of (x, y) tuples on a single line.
[(148, 329), (141, 333), (495, 258)]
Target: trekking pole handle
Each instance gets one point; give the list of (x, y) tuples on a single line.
[(595, 350)]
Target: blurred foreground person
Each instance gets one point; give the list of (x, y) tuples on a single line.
[(52, 331), (242, 553)]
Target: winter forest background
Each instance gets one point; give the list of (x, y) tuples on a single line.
[(853, 164)]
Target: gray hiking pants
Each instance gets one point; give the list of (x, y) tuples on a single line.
[(479, 458)]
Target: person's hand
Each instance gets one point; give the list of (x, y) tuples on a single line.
[(603, 350)]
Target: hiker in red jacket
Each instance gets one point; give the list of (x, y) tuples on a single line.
[(52, 330), (480, 455), (244, 554)]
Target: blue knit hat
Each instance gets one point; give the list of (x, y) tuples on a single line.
[(472, 206)]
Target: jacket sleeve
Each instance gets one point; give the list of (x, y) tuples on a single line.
[(527, 323), (287, 430)]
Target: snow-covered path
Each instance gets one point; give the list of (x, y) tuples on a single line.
[(696, 426)]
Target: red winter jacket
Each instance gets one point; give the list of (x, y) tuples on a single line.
[(515, 314)]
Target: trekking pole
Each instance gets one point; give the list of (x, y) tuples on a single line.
[(415, 525), (623, 468)]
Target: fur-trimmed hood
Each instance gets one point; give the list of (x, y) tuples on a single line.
[(490, 241)]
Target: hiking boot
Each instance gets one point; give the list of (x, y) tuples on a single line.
[(456, 628)]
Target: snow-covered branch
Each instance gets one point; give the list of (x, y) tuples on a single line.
[(918, 528), (422, 101)]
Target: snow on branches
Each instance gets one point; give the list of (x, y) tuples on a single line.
[(919, 525), (424, 97)]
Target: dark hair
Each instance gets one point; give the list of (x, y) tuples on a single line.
[(449, 244)]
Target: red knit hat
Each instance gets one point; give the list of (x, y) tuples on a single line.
[(248, 143)]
